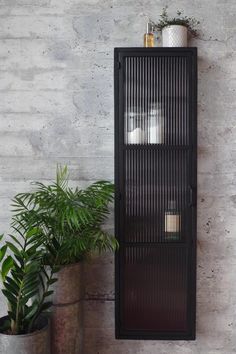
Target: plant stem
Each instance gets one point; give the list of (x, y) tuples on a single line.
[(15, 324)]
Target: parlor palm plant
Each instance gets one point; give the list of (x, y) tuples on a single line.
[(69, 219)]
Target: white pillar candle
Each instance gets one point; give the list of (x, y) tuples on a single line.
[(136, 136), (155, 125), (154, 135)]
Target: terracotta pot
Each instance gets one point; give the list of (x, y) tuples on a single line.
[(67, 311), (174, 36), (37, 342)]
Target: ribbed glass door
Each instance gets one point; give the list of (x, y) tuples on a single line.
[(157, 195), (156, 103)]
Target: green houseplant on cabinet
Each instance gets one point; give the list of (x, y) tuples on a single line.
[(71, 222), (26, 288), (175, 29)]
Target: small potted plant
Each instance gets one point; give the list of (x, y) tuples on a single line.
[(70, 220), (25, 329), (175, 29)]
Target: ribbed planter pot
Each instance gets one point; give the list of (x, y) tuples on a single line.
[(174, 36), (37, 342), (66, 320)]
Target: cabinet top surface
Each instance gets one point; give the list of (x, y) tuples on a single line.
[(156, 49)]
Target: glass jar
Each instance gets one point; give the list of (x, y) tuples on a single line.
[(134, 131), (155, 126)]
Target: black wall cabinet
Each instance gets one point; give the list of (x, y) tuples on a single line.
[(155, 177)]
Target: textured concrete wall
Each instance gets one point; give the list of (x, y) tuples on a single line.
[(56, 105)]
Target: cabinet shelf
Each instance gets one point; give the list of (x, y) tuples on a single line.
[(157, 147), (179, 244)]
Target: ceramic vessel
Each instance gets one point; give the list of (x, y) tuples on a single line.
[(174, 36), (66, 321), (37, 342)]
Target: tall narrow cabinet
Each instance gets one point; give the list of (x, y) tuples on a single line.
[(156, 181)]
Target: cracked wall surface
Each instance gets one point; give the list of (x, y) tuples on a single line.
[(56, 106)]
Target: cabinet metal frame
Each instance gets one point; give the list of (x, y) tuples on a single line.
[(119, 55)]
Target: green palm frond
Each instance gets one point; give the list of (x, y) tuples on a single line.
[(69, 216)]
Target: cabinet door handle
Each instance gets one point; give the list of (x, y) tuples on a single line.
[(190, 196)]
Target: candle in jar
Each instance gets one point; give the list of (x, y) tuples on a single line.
[(135, 136)]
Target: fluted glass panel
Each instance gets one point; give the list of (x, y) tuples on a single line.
[(156, 193), (155, 288), (156, 100)]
